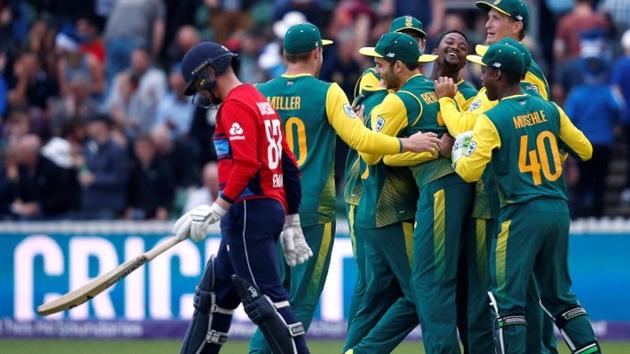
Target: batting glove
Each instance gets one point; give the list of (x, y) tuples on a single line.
[(296, 250), (197, 221)]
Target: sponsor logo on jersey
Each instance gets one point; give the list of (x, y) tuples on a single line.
[(236, 132), (348, 110), (472, 146), (265, 108), (380, 122), (474, 106)]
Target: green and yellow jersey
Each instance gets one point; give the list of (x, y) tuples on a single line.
[(352, 178), (465, 94), (459, 120), (313, 113), (388, 193), (536, 77), (369, 78), (411, 109), (527, 133)]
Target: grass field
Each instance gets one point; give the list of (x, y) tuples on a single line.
[(172, 347)]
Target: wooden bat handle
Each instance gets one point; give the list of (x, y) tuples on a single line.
[(160, 248)]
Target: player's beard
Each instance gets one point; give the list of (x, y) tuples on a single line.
[(215, 100), (392, 82)]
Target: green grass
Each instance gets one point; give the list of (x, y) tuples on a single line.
[(172, 347)]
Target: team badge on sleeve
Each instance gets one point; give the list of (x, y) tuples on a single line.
[(348, 110), (474, 106), (472, 146), (380, 122)]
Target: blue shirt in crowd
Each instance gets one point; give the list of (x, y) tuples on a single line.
[(621, 78), (594, 109)]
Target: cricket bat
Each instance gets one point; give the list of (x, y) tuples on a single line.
[(98, 285)]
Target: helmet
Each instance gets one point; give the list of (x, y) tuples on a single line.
[(197, 59)]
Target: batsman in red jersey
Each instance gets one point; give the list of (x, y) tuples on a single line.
[(259, 184)]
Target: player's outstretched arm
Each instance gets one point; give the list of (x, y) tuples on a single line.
[(443, 149), (573, 138), (349, 126)]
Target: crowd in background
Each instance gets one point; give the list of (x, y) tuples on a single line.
[(94, 123)]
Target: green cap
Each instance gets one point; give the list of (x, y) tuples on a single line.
[(501, 56), (394, 46), (517, 9), (303, 38), (411, 23), (527, 55)]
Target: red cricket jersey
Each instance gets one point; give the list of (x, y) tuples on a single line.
[(249, 142)]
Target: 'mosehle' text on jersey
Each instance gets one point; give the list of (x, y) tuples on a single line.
[(250, 145)]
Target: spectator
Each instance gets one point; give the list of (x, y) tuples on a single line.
[(571, 72), (81, 80), (227, 17), (209, 189), (16, 126), (270, 60), (176, 111), (594, 109), (179, 154), (582, 18), (187, 37), (133, 24), (32, 86), (180, 14), (40, 186), (150, 183), (65, 153), (251, 45), (340, 63), (621, 83), (619, 12), (104, 173), (429, 12), (312, 9), (90, 38), (136, 94), (8, 177), (4, 88)]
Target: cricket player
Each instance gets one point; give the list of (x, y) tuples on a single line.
[(452, 50), (369, 85), (380, 183), (507, 19), (473, 278), (313, 112), (520, 138), (413, 107), (259, 184), (403, 24)]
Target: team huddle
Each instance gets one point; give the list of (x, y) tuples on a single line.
[(456, 198)]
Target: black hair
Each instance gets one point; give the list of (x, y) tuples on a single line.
[(512, 78), (69, 127), (414, 33), (102, 118), (297, 57), (411, 66), (453, 31)]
